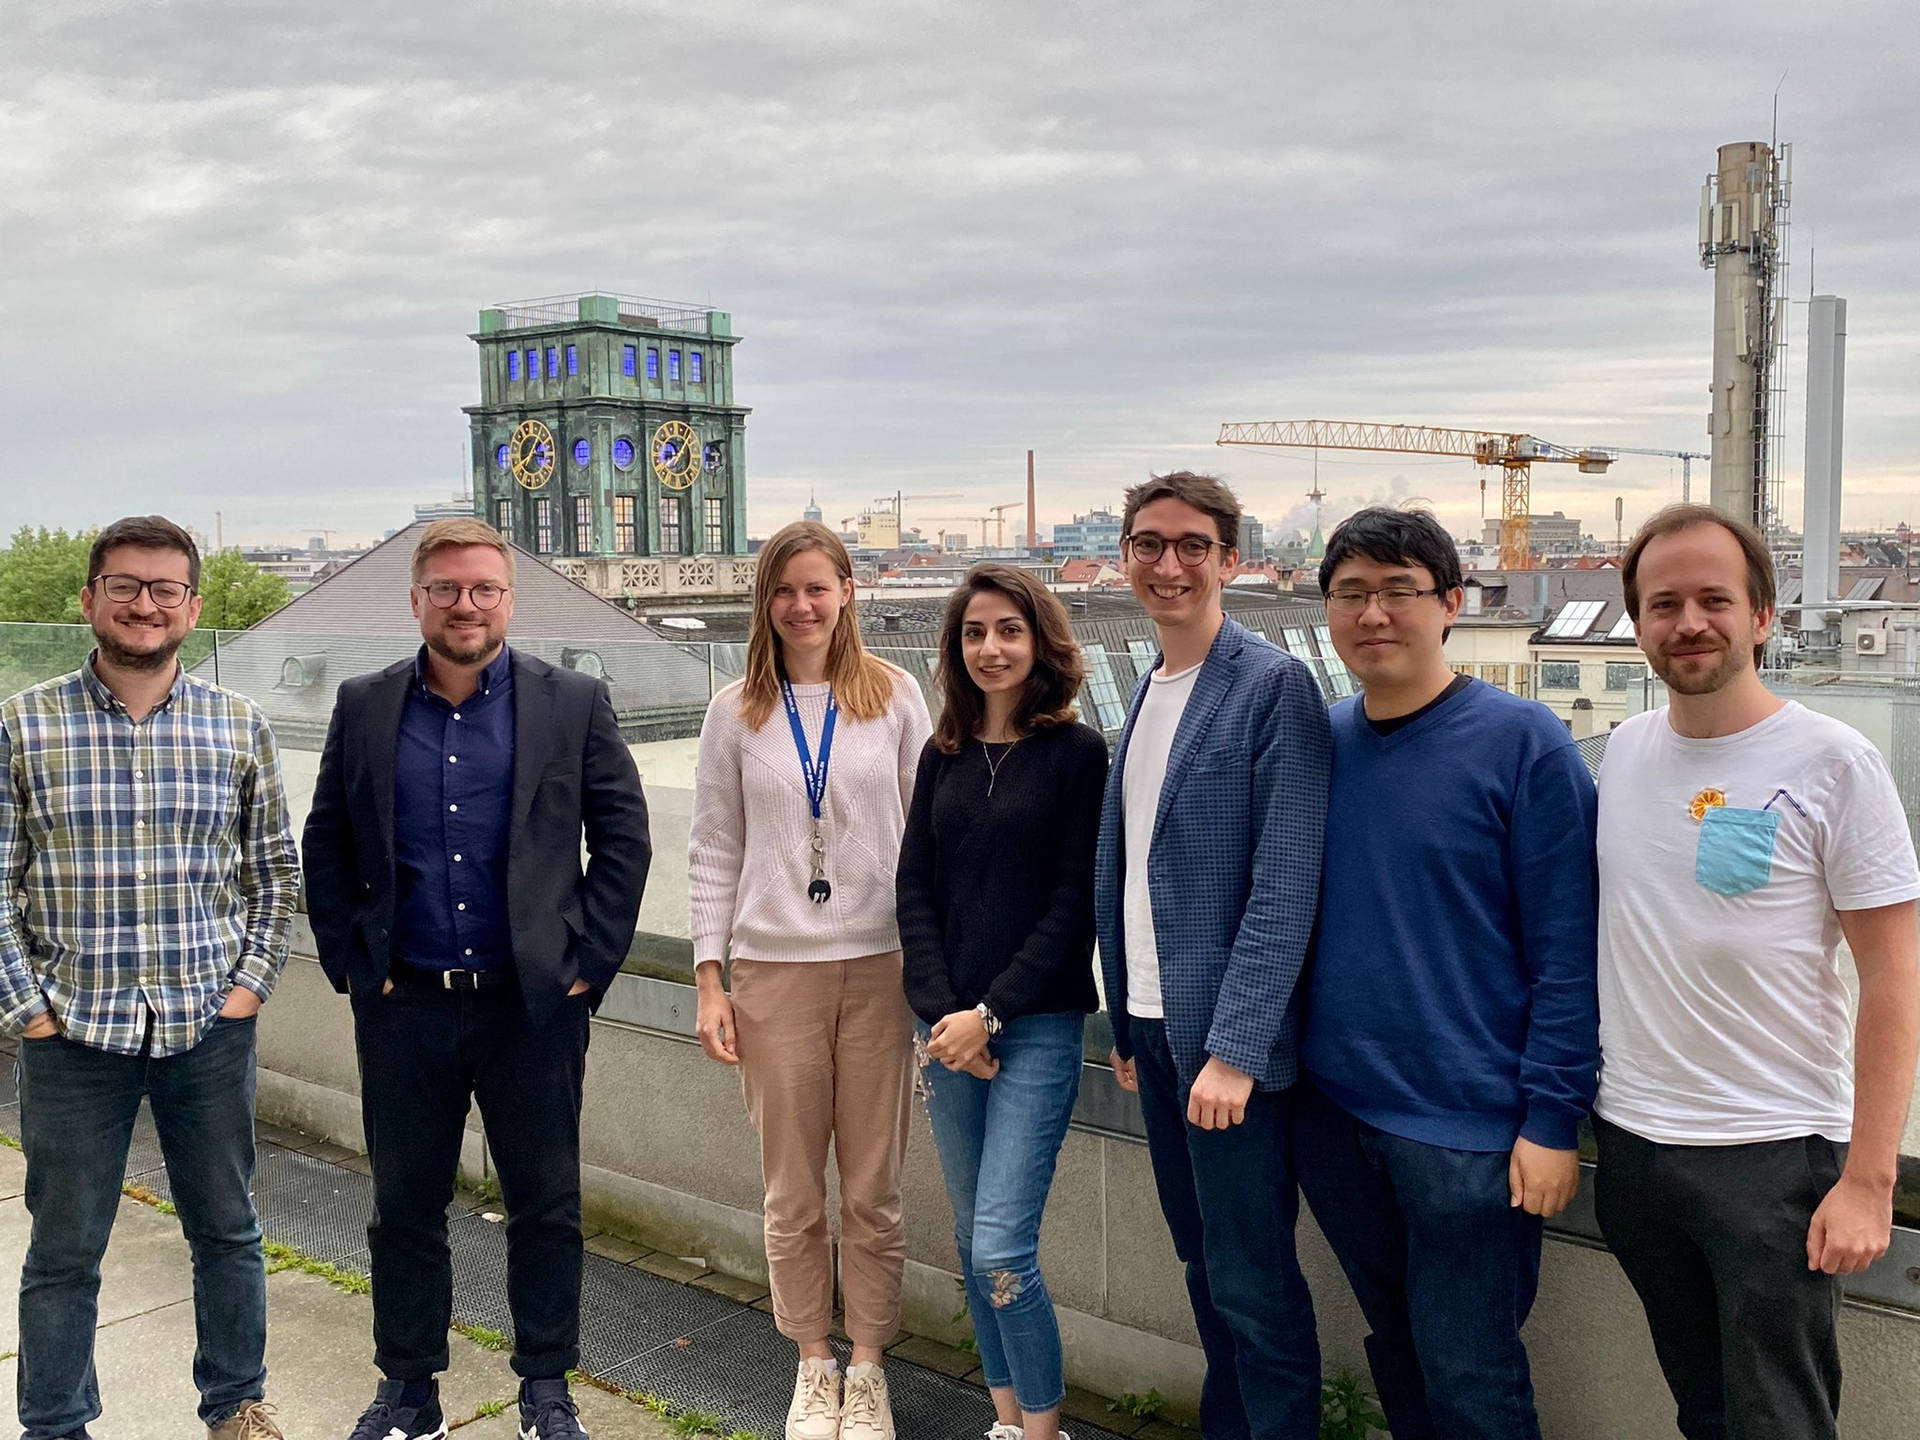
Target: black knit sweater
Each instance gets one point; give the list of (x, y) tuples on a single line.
[(995, 893)]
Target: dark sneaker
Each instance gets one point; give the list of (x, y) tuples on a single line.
[(547, 1412), (387, 1419)]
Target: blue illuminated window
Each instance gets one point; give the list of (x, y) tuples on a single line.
[(533, 364), (653, 363), (623, 453), (573, 361), (553, 363), (513, 364), (500, 456), (693, 367), (673, 364), (626, 361), (582, 452)]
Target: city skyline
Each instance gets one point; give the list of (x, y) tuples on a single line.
[(246, 247)]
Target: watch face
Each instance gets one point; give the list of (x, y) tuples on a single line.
[(582, 452), (532, 454), (623, 453), (676, 455)]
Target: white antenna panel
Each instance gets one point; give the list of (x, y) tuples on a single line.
[(1786, 171), (1706, 217), (1759, 226), (1780, 322)]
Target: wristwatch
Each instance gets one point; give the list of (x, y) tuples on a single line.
[(988, 1019)]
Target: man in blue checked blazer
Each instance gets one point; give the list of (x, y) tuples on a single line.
[(1207, 880)]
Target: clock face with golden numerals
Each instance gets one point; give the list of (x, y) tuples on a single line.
[(676, 455), (531, 454)]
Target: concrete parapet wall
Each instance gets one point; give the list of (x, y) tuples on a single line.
[(668, 1156)]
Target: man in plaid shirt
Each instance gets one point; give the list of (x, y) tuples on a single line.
[(149, 879)]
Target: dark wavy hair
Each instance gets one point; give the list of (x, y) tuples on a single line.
[(1058, 670)]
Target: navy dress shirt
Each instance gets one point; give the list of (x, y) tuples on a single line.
[(452, 791)]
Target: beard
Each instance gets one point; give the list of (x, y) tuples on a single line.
[(145, 661), (464, 652), (1715, 677)]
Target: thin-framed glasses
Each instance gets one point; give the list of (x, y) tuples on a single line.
[(1189, 550), (1393, 599), (167, 594), (445, 594)]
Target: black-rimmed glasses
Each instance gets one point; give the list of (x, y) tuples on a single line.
[(1393, 599), (121, 589), (445, 594), (1189, 550)]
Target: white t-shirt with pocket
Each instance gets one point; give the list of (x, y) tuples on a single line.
[(1723, 1015)]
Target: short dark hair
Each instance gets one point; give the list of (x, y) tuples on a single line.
[(1388, 536), (144, 532), (1761, 593), (1058, 670), (1205, 493)]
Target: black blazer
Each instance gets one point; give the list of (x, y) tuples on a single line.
[(570, 773)]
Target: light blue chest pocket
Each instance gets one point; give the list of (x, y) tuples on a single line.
[(1736, 850)]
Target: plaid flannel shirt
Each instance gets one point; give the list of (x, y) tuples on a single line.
[(145, 869)]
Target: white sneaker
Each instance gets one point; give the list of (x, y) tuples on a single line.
[(1006, 1432), (815, 1411), (866, 1413)]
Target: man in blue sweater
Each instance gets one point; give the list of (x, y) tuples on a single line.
[(1451, 1040)]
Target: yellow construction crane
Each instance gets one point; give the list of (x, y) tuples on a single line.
[(1512, 453), (1000, 521)]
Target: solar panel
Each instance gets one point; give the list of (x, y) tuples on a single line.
[(1622, 628), (1866, 589)]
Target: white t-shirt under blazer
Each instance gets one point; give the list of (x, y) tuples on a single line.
[(749, 856), (1724, 1018), (1148, 750)]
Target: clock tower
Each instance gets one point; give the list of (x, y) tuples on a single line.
[(606, 428)]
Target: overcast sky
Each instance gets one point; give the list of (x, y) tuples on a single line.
[(242, 245)]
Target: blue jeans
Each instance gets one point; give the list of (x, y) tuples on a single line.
[(998, 1140), (1444, 1269), (77, 1108), (1230, 1202)]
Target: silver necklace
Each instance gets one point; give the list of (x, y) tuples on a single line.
[(993, 765)]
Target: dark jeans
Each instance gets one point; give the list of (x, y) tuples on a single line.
[(1230, 1201), (424, 1054), (1445, 1271), (1714, 1240), (77, 1108)]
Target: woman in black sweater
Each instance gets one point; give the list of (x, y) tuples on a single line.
[(995, 899)]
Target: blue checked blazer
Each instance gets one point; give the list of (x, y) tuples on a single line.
[(1234, 869)]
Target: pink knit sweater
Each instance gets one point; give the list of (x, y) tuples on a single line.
[(748, 859)]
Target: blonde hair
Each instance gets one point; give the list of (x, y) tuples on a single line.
[(448, 534), (862, 684)]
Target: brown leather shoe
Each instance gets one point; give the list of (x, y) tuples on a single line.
[(252, 1421)]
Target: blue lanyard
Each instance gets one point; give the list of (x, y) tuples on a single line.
[(815, 775)]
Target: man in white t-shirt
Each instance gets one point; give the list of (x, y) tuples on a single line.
[(1742, 837)]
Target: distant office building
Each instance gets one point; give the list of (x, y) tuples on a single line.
[(1253, 539), (1549, 534), (460, 507), (813, 512), (606, 428), (1093, 536)]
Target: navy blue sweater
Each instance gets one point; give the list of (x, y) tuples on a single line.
[(1451, 995)]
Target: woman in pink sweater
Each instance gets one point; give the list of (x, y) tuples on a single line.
[(806, 771)]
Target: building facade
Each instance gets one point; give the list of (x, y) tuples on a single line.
[(1093, 536), (607, 434), (1554, 534)]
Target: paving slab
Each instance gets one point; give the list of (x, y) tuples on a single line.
[(13, 1173), (146, 1265)]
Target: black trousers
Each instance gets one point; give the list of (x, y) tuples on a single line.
[(1714, 1240), (424, 1055)]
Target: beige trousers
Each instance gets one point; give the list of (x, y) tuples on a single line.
[(826, 1058)]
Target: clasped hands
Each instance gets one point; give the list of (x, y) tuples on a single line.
[(959, 1042)]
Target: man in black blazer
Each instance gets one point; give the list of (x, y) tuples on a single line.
[(448, 901)]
